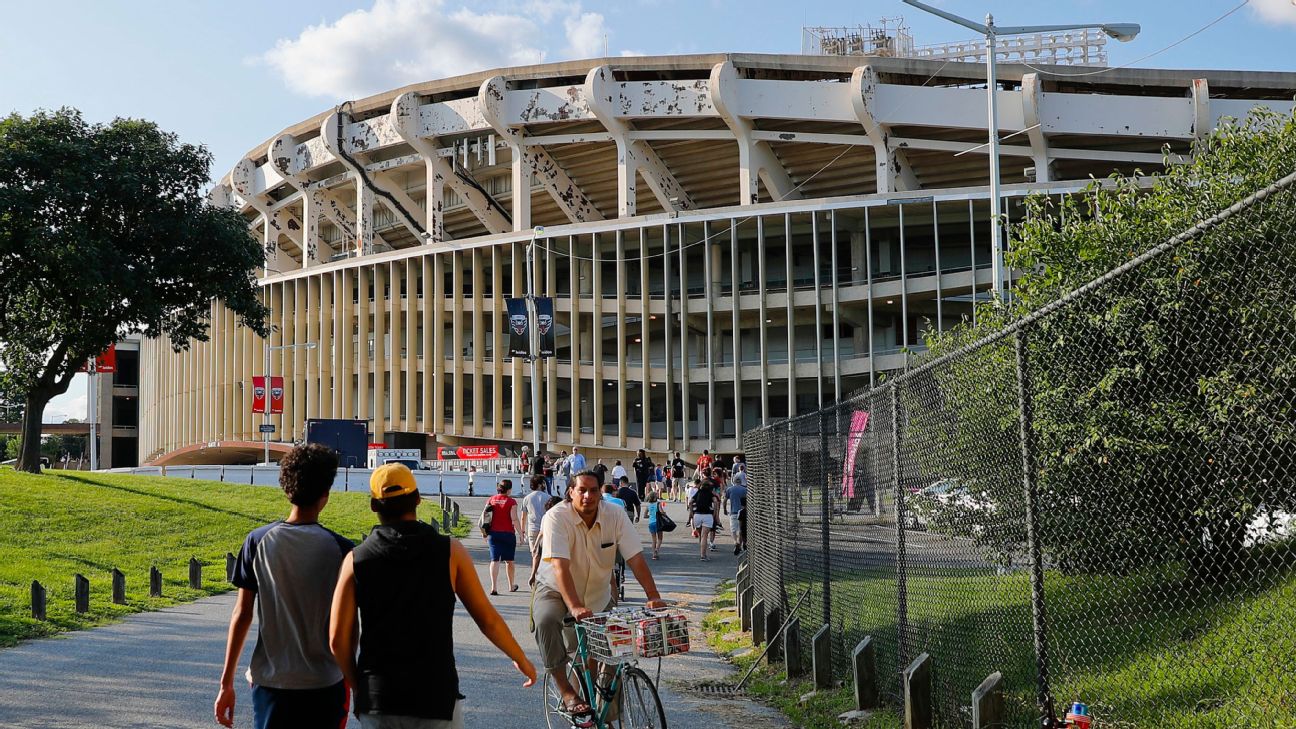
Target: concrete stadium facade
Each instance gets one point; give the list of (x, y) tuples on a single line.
[(729, 240)]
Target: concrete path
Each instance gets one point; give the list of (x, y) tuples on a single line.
[(160, 669)]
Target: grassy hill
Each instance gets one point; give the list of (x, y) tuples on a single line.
[(56, 525)]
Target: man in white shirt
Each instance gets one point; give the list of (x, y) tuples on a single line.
[(533, 509), (618, 472), (581, 538)]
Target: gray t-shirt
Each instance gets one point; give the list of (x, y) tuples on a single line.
[(293, 569), (737, 496), (534, 505)]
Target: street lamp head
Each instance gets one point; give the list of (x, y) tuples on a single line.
[(1123, 32)]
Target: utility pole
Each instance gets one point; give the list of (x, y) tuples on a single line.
[(535, 343)]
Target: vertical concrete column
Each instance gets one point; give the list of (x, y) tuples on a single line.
[(520, 388), (498, 351), (645, 307), (305, 378), (431, 347), (364, 219), (579, 345), (711, 266), (665, 325), (381, 383), (735, 299), (548, 368), (596, 333), (410, 363), (457, 273), (762, 325), (791, 318), (818, 312), (327, 314), (396, 337), (437, 334), (362, 402), (478, 339), (622, 400), (686, 414), (345, 345), (521, 178)]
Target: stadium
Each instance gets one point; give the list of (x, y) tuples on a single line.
[(728, 239)]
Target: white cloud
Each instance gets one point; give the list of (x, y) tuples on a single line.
[(397, 42), (585, 35), (1275, 11), (71, 404)]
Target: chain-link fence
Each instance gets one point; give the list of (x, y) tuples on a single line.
[(1098, 501)]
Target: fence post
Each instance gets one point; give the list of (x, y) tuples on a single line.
[(918, 694), (118, 587), (792, 649), (1044, 694), (81, 588), (195, 574), (988, 703), (155, 582), (230, 561), (773, 620), (445, 520), (902, 582), (37, 601), (757, 619), (825, 515), (821, 657), (454, 513), (744, 608), (864, 669)]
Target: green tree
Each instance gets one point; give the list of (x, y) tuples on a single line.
[(105, 230), (1164, 402)]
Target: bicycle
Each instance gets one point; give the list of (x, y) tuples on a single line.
[(615, 641)]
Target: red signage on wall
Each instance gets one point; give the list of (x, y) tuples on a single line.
[(105, 363), (259, 395), (477, 452)]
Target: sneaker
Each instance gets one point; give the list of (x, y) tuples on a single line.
[(712, 546), (737, 549)]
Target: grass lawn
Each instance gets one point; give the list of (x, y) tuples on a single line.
[(1145, 650), (61, 523)]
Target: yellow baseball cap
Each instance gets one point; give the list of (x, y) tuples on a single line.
[(390, 480)]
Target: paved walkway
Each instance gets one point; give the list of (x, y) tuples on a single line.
[(160, 669)]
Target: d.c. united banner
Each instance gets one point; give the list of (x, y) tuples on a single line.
[(519, 333), (544, 325), (259, 394)]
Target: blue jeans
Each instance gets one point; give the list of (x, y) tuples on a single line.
[(322, 708)]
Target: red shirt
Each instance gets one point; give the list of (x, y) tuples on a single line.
[(704, 462), (502, 513)]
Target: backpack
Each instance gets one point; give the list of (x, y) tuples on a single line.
[(487, 516)]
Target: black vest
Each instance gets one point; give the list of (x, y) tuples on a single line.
[(406, 664)]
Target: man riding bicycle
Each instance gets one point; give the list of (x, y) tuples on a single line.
[(582, 537)]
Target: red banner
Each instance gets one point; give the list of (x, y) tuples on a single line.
[(105, 363), (259, 395), (477, 452)]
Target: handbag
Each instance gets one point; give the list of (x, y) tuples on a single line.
[(484, 523), (664, 522)]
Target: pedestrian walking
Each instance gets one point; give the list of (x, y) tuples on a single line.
[(503, 536), (631, 498), (654, 509), (285, 574), (735, 505), (643, 472), (659, 480), (618, 473), (537, 549), (601, 471), (702, 509), (533, 509), (678, 482), (391, 629)]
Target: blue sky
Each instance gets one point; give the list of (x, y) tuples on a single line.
[(232, 74)]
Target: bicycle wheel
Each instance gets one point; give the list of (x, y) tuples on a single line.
[(641, 707), (555, 717)]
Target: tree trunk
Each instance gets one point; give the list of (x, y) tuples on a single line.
[(29, 452)]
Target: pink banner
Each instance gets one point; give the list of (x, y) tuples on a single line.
[(859, 422)]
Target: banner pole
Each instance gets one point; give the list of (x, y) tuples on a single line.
[(535, 345)]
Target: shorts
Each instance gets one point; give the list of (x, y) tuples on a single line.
[(703, 521), (679, 483), (503, 546), (652, 527), (276, 708), (533, 539), (735, 523), (388, 721)]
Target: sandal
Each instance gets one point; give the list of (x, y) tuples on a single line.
[(580, 714), (494, 593), (515, 589)]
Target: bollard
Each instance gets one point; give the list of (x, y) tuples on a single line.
[(758, 622), (773, 620), (118, 587), (81, 588), (155, 582), (37, 601), (821, 657), (792, 649), (864, 667), (230, 561), (744, 608), (195, 574), (988, 703), (454, 513), (445, 520), (918, 694)]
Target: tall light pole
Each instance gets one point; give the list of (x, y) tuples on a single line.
[(1119, 31), (265, 432), (533, 330)]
